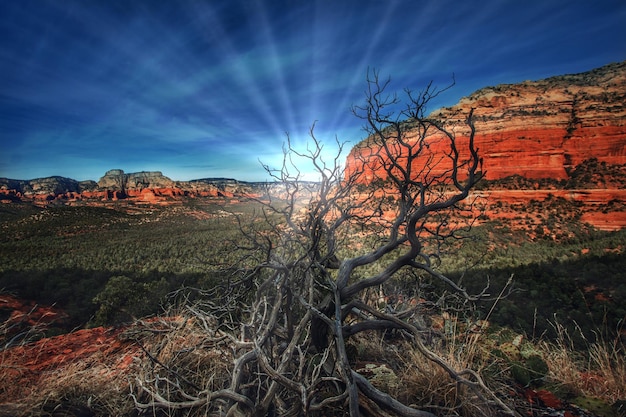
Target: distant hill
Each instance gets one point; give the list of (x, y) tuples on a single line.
[(115, 184), (561, 137)]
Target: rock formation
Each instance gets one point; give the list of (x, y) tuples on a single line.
[(115, 185), (118, 179), (49, 185), (538, 129), (564, 133), (564, 136)]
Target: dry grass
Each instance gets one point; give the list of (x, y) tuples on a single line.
[(598, 372), (182, 358), (424, 384), (185, 355), (91, 386), (101, 384), (96, 385)]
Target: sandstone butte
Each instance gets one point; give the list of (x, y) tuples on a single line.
[(141, 187), (536, 130)]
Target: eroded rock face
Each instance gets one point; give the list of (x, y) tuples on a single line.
[(46, 186), (118, 179), (564, 136), (146, 187), (539, 129), (570, 130)]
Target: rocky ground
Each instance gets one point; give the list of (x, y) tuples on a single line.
[(90, 372)]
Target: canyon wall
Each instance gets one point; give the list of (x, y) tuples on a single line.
[(536, 129), (564, 133), (563, 137)]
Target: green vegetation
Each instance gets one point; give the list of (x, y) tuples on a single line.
[(578, 281), (104, 266), (75, 257), (589, 174)]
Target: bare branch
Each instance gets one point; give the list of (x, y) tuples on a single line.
[(316, 251)]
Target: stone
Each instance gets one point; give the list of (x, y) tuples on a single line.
[(546, 127)]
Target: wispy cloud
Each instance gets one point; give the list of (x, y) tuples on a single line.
[(211, 87)]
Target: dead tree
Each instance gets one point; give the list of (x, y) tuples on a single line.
[(314, 254)]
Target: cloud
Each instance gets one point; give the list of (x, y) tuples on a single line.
[(217, 84)]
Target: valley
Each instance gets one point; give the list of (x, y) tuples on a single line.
[(105, 272)]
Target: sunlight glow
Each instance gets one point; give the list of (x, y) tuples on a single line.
[(210, 88)]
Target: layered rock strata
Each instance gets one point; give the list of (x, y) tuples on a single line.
[(537, 129), (545, 132)]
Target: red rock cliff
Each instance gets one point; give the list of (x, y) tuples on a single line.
[(538, 129)]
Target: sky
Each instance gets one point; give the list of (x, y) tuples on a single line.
[(200, 89)]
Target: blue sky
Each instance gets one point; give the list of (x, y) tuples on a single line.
[(201, 89)]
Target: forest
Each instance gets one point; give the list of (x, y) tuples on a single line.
[(103, 266)]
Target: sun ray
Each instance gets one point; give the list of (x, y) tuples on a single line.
[(222, 75)]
